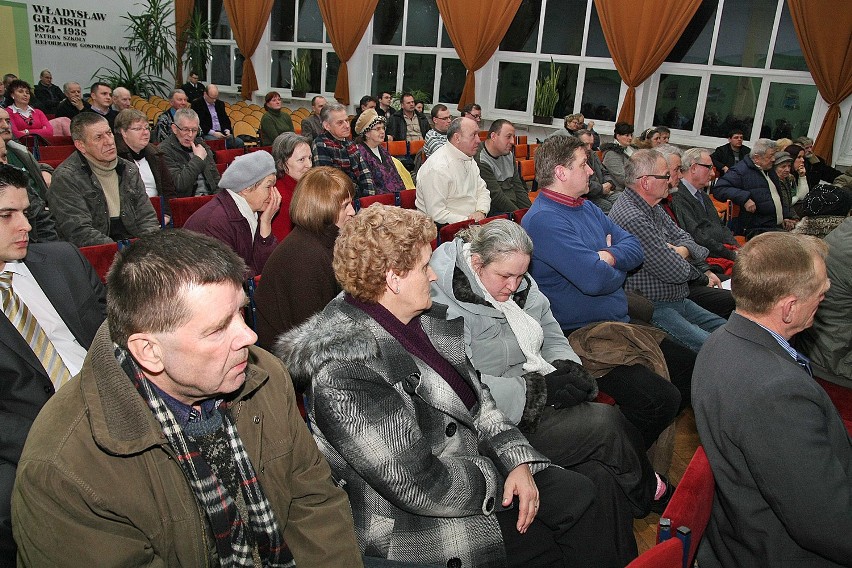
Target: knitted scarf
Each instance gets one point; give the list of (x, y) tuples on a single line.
[(233, 544)]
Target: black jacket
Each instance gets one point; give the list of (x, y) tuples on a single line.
[(396, 125), (723, 156), (206, 120)]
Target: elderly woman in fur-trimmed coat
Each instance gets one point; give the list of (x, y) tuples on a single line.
[(434, 472)]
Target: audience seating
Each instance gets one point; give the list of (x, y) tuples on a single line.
[(483, 135), (100, 257), (383, 198), (519, 214), (522, 151), (692, 502), (842, 399), (257, 148), (406, 199), (415, 146), (217, 144), (52, 163), (533, 148), (667, 554), (227, 156), (56, 152), (398, 148), (526, 169), (520, 139), (184, 207), (157, 204), (448, 232), (59, 140), (221, 168)]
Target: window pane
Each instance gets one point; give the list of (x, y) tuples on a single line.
[(387, 28), (596, 45), (281, 20), (202, 7), (513, 84), (220, 67), (219, 26), (422, 23), (788, 110), (600, 94), (445, 38), (332, 66), (731, 102), (694, 44), (452, 80), (744, 33), (788, 52), (315, 69), (384, 73), (677, 98), (281, 67), (523, 31), (564, 21), (310, 21), (566, 87), (238, 67), (419, 75)]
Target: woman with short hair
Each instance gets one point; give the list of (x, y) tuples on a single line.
[(298, 280), (617, 154), (274, 121), (434, 471), (133, 142), (292, 154), (24, 119)]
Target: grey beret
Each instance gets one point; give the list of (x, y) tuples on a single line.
[(247, 170)]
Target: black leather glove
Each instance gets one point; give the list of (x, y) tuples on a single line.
[(569, 384)]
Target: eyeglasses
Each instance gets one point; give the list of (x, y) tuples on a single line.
[(140, 128), (444, 117), (475, 116), (708, 166), (657, 176), (189, 130)]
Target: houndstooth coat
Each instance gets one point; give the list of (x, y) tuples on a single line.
[(422, 472)]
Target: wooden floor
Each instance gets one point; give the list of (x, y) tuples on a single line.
[(686, 441)]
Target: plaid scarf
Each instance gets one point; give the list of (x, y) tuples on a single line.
[(229, 529)]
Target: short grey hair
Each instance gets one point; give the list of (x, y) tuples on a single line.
[(176, 92), (669, 150), (186, 114), (496, 240), (67, 86), (642, 163), (692, 156), (762, 146), (455, 127), (283, 147), (330, 108), (804, 141)]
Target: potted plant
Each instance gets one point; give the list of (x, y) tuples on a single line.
[(546, 96), (198, 47), (301, 70), (126, 74)]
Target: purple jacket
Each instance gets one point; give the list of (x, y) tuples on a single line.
[(221, 219)]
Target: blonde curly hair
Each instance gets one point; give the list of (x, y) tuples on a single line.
[(377, 239)]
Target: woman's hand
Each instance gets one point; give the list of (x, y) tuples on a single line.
[(520, 482)]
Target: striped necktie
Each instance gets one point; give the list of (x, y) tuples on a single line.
[(26, 324)]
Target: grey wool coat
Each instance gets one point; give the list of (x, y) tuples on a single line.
[(422, 472)]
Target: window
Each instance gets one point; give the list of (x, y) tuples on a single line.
[(677, 100), (226, 61), (297, 30), (788, 110), (787, 53), (744, 33), (513, 86), (731, 103), (411, 51), (600, 94)]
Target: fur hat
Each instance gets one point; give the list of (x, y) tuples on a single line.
[(368, 119), (247, 170)]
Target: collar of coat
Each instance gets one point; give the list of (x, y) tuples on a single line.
[(121, 422)]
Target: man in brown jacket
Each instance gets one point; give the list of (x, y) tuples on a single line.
[(179, 443)]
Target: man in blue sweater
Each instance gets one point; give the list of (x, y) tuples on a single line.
[(580, 261)]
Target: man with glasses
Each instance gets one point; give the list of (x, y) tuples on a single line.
[(753, 185), (668, 267), (694, 209), (384, 109), (472, 111), (437, 137), (97, 197), (190, 161)]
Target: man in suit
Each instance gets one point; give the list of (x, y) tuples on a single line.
[(215, 123), (780, 453), (62, 292)]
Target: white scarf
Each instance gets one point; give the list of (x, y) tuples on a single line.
[(527, 330)]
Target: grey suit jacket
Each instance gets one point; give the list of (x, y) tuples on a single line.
[(779, 451), (71, 285), (702, 223)]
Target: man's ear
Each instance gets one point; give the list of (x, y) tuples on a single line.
[(147, 352), (788, 305)]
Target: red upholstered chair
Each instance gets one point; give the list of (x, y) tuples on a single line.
[(448, 232), (494, 218), (398, 148), (52, 163), (383, 198), (522, 151), (227, 156), (520, 139), (157, 204), (692, 501), (519, 214), (415, 146), (406, 198), (56, 152), (221, 168), (667, 554), (526, 169), (251, 149), (59, 140), (100, 257), (842, 399), (218, 144), (184, 207)]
